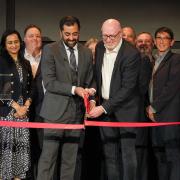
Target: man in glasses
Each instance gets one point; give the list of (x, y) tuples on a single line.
[(117, 69), (164, 95)]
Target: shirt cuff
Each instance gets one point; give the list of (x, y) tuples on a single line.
[(152, 109), (105, 112), (73, 90)]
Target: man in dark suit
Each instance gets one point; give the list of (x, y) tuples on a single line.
[(32, 52), (66, 70), (117, 71), (145, 44), (164, 105)]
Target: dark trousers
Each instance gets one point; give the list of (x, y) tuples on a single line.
[(63, 142), (36, 147), (167, 162), (68, 143), (119, 152)]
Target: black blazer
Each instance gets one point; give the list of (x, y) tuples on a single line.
[(38, 94), (124, 99), (8, 67), (166, 95)]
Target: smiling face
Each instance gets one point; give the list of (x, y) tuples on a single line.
[(33, 39), (163, 42), (12, 45), (129, 35), (111, 33), (144, 43), (70, 35)]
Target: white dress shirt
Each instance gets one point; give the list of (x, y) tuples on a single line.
[(76, 55), (34, 61), (107, 69)]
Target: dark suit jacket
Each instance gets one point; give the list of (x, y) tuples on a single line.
[(7, 66), (124, 100), (166, 95), (57, 80), (38, 90)]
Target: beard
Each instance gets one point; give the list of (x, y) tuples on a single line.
[(71, 43)]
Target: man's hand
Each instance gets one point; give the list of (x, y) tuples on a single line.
[(96, 112), (92, 104), (90, 91), (150, 113), (80, 92)]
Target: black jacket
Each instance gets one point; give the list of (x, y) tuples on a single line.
[(9, 76)]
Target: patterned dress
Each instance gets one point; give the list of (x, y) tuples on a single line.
[(14, 145)]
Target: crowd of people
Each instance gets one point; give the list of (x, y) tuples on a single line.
[(126, 77)]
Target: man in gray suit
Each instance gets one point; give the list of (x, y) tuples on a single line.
[(67, 75)]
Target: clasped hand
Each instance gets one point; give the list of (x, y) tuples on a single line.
[(21, 112)]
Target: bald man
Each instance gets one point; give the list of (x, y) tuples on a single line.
[(117, 69)]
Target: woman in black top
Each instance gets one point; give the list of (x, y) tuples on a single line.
[(15, 99)]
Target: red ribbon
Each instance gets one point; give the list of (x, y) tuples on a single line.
[(41, 125), (86, 123), (129, 124), (82, 126), (87, 103)]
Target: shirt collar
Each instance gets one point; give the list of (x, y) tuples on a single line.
[(28, 55), (67, 48), (162, 55)]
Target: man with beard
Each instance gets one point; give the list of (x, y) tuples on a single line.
[(67, 73), (144, 43)]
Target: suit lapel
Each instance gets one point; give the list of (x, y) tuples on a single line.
[(166, 58), (99, 61), (38, 72), (81, 62), (118, 58), (61, 52)]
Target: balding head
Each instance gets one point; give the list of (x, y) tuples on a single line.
[(111, 25), (111, 33)]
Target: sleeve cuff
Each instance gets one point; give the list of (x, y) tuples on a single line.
[(73, 90), (104, 110), (153, 110)]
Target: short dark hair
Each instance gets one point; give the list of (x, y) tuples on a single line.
[(69, 21), (165, 29), (29, 26)]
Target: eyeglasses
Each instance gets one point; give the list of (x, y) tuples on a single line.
[(112, 37), (163, 38)]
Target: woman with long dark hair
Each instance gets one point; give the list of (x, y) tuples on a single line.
[(15, 99)]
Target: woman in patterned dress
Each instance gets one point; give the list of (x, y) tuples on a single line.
[(15, 99)]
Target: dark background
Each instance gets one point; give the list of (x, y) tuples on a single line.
[(142, 15)]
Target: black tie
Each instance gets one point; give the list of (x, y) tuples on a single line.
[(72, 59)]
